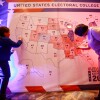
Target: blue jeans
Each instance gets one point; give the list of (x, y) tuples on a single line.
[(6, 72)]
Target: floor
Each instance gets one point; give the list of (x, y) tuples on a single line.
[(75, 95)]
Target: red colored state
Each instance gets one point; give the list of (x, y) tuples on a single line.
[(66, 39), (34, 36), (57, 42), (68, 44), (42, 29), (53, 26), (55, 39), (53, 20), (58, 45)]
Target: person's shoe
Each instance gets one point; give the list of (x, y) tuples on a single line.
[(2, 97)]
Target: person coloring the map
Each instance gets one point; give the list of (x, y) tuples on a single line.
[(5, 51), (93, 37)]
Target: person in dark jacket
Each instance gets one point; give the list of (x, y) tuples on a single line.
[(5, 51)]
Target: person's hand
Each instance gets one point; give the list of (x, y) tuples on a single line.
[(20, 38)]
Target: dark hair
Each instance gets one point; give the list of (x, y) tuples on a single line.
[(81, 29), (3, 29)]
